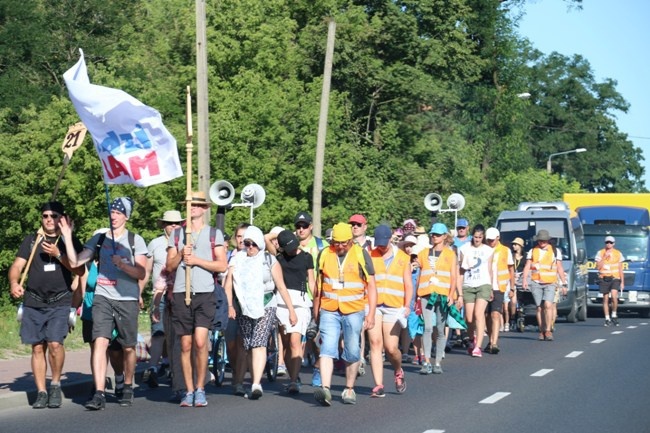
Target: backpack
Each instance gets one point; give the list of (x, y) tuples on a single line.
[(101, 240)]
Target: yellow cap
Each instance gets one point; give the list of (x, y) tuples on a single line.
[(342, 232)]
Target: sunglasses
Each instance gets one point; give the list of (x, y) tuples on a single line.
[(356, 224), (609, 242), (171, 224), (50, 215), (340, 244), (249, 244), (436, 235), (302, 226)]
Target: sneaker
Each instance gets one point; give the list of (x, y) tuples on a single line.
[(199, 398), (378, 392), (315, 378), (98, 402), (282, 370), (293, 388), (187, 400), (426, 368), (41, 400), (608, 322), (239, 390), (416, 360), (437, 369), (150, 377), (323, 396), (488, 348), (542, 337), (494, 350), (54, 398), (256, 392), (400, 382), (127, 396), (506, 327), (548, 336), (476, 352), (615, 321), (349, 396)]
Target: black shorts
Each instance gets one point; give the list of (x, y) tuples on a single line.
[(87, 334), (607, 284), (44, 325), (200, 313), (496, 304), (109, 314)]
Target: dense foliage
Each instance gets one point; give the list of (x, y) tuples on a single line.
[(424, 99)]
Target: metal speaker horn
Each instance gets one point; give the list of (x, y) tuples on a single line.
[(433, 202), (456, 202), (254, 194), (222, 193)]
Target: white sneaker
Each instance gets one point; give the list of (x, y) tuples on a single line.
[(506, 328), (282, 370)]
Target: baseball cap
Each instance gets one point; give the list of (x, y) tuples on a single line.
[(462, 222), (383, 233), (610, 239), (302, 217), (491, 233), (438, 229), (358, 218), (288, 241), (341, 232)]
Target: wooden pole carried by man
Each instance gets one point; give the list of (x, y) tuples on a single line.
[(188, 196)]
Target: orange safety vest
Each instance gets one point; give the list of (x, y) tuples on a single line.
[(390, 281), (348, 296), (503, 272), (543, 270), (614, 263), (442, 273)]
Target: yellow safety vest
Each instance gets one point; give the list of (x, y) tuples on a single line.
[(543, 270), (441, 275), (346, 294), (390, 281), (614, 263), (503, 272)]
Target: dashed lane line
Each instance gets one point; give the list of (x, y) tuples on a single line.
[(494, 398), (434, 431), (542, 372), (632, 327), (574, 354), (598, 341), (617, 332)]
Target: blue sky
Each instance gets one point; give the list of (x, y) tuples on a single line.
[(613, 37)]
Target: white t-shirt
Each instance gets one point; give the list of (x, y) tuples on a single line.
[(476, 263)]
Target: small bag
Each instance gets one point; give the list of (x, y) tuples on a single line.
[(312, 329), (418, 306)]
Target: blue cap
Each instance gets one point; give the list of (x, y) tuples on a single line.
[(438, 229), (383, 233), (462, 223)]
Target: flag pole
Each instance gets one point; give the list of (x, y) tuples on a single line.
[(188, 197)]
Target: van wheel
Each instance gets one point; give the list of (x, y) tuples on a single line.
[(572, 317), (582, 314)]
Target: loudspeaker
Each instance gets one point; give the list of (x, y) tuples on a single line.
[(456, 202), (222, 193), (253, 193), (433, 202)]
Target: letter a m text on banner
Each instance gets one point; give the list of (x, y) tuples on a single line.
[(132, 143)]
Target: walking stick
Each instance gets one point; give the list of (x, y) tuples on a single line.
[(188, 196), (39, 237)]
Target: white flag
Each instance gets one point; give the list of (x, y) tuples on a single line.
[(132, 143)]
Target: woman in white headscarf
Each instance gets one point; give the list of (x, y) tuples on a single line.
[(255, 276)]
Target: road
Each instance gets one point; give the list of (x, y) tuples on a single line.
[(590, 379)]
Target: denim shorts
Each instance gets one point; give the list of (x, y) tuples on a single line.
[(330, 326)]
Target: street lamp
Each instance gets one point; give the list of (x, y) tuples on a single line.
[(548, 163)]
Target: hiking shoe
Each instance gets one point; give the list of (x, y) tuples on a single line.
[(488, 348), (542, 337), (187, 400), (282, 370), (400, 382), (323, 396), (615, 321), (41, 400), (199, 398), (608, 322), (494, 350), (293, 388), (426, 368), (378, 392), (256, 391), (54, 397), (239, 390), (150, 377), (98, 402), (476, 352), (349, 396), (437, 369), (127, 396), (548, 336), (315, 378)]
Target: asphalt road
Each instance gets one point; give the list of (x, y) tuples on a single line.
[(590, 379)]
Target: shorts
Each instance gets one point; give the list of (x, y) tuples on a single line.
[(303, 314), (256, 332), (199, 314), (471, 294), (331, 325), (542, 292), (44, 325), (158, 328), (110, 314), (87, 335), (387, 314), (496, 304), (605, 286)]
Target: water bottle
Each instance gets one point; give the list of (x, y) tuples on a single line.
[(19, 313), (72, 317)]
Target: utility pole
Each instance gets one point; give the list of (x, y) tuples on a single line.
[(317, 198), (203, 133)]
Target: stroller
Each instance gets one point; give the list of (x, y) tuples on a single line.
[(526, 306)]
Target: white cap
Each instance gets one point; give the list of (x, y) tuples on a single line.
[(610, 239), (276, 230), (491, 233)]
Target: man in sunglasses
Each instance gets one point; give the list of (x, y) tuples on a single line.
[(609, 262), (359, 227), (47, 300)]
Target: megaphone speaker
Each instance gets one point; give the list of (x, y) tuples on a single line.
[(253, 193), (222, 193), (456, 202), (433, 202)]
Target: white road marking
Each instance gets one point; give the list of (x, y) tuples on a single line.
[(598, 341), (643, 323), (617, 332), (574, 354), (494, 397), (542, 372), (434, 431), (632, 327)]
